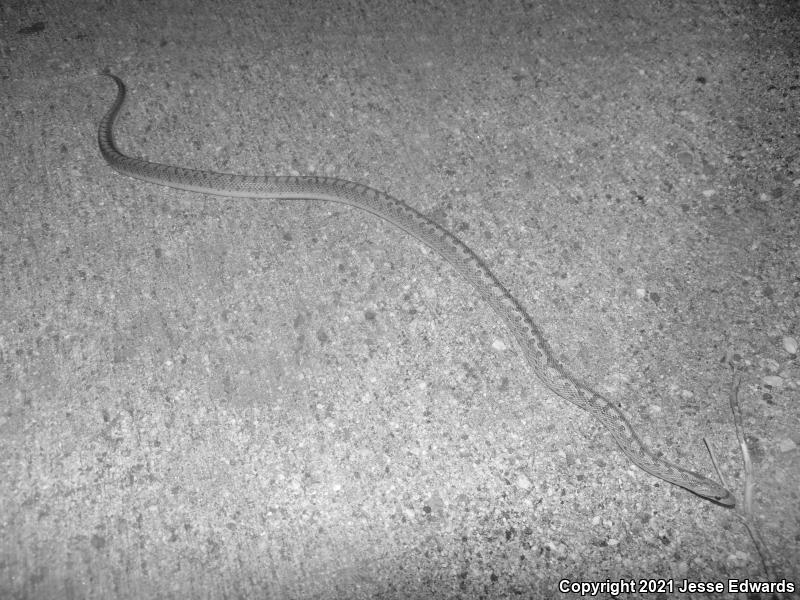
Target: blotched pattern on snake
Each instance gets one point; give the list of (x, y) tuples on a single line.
[(527, 334)]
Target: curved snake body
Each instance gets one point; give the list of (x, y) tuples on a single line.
[(527, 334)]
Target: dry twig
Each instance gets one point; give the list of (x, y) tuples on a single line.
[(746, 513)]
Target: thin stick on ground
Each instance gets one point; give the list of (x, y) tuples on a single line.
[(746, 514)]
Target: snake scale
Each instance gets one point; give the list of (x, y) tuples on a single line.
[(531, 341)]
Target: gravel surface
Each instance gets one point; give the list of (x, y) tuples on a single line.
[(214, 398)]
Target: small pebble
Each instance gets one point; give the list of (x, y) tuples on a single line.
[(498, 345), (773, 380), (790, 344), (685, 158)]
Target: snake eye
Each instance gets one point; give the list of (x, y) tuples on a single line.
[(726, 499)]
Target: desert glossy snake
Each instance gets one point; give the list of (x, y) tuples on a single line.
[(527, 334)]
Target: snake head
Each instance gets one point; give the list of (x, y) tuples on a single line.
[(716, 493), (726, 499)]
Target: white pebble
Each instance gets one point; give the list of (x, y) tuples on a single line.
[(790, 344), (498, 345)]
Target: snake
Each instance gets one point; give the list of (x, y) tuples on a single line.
[(528, 335)]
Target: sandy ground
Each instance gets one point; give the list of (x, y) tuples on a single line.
[(209, 398)]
